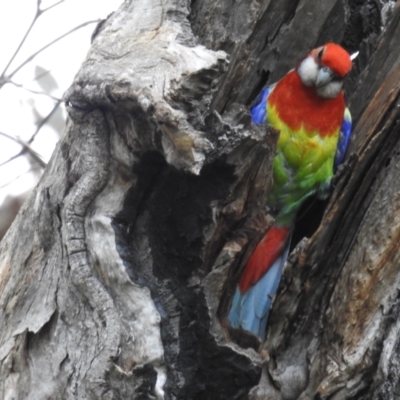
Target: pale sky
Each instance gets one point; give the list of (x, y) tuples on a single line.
[(17, 105)]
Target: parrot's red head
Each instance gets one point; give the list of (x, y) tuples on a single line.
[(325, 68)]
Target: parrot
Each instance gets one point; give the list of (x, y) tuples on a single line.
[(307, 107)]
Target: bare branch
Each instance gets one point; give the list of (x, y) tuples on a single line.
[(15, 156), (44, 121), (26, 147), (16, 178), (31, 57), (18, 85), (38, 13), (50, 7), (35, 18)]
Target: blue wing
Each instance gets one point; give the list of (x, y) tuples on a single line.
[(258, 110), (344, 139)]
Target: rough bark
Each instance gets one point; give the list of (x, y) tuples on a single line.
[(117, 274)]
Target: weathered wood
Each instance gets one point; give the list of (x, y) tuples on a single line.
[(102, 292), (116, 277)]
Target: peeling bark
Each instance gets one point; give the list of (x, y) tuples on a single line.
[(116, 277)]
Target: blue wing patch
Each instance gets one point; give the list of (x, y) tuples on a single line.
[(258, 110), (344, 139)]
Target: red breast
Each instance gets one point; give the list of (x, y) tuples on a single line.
[(297, 105)]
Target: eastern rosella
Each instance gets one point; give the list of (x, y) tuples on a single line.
[(307, 106)]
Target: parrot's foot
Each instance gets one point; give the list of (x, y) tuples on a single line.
[(345, 168)]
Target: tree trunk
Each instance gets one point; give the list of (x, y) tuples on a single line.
[(117, 274)]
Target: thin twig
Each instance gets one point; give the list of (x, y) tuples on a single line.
[(22, 152), (16, 178), (21, 43), (50, 7), (38, 13), (27, 148), (35, 91), (32, 56), (44, 121)]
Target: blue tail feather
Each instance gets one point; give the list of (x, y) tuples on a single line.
[(250, 309)]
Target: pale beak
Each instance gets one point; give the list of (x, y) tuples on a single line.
[(325, 75), (354, 55)]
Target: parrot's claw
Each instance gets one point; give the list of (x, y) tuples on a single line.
[(344, 168)]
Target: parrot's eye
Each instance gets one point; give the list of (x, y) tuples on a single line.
[(326, 69)]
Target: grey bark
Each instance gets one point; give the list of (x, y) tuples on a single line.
[(116, 277)]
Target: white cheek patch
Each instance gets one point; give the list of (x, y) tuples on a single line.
[(331, 90), (308, 71)]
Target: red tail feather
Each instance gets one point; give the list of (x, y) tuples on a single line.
[(263, 257)]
